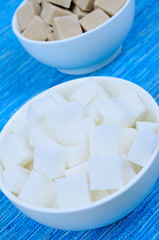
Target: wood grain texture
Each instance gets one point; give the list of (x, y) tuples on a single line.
[(22, 77)]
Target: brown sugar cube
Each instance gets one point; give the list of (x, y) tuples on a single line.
[(35, 1), (51, 11), (66, 27), (37, 30), (109, 6), (80, 13), (62, 3), (51, 36), (93, 19), (85, 5), (43, 3), (26, 13)]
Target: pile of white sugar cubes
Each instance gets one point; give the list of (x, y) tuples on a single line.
[(66, 153), (49, 20)]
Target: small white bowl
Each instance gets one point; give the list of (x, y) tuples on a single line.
[(113, 207), (87, 52)]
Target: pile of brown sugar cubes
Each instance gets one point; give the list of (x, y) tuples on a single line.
[(49, 20)]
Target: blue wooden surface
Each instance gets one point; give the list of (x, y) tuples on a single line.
[(22, 77)]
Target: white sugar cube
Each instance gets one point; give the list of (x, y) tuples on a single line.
[(144, 145), (101, 96), (72, 191), (81, 168), (1, 169), (20, 125), (49, 160), (116, 112), (15, 150), (41, 133), (15, 177), (38, 190), (98, 195), (104, 121), (126, 137), (92, 111), (76, 154), (149, 126), (103, 141), (128, 170), (75, 134), (56, 205), (37, 109), (64, 115), (87, 92), (57, 97), (105, 173), (133, 102)]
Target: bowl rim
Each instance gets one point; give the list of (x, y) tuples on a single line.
[(20, 36), (116, 194)]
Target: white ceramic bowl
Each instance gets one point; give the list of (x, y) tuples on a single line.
[(113, 207), (84, 53)]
